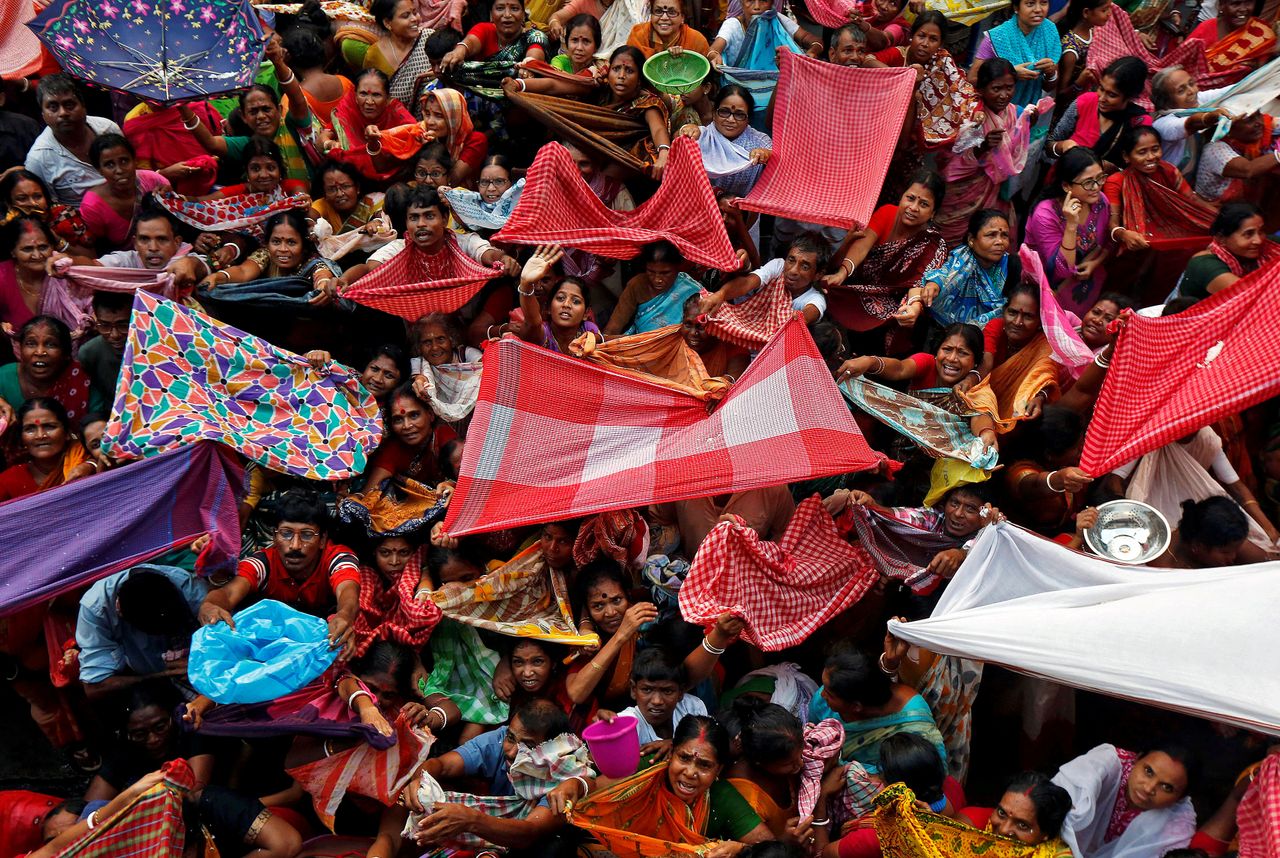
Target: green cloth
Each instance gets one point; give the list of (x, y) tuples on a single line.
[(266, 76), (103, 366), (463, 671), (731, 817), (1201, 271), (11, 392), (562, 62)]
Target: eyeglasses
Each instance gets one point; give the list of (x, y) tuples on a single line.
[(433, 174), (111, 327), (1090, 184), (492, 183), (336, 189), (735, 115), (304, 536), (666, 13)]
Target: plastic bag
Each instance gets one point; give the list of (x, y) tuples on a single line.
[(272, 651)]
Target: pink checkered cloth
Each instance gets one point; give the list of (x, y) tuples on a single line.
[(86, 279), (553, 437), (1059, 325), (786, 590), (832, 13), (1171, 376), (822, 741), (1117, 38), (753, 323), (414, 283), (559, 207), (834, 132), (1258, 815)]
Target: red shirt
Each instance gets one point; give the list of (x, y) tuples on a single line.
[(926, 371), (314, 594), (994, 341), (16, 482)]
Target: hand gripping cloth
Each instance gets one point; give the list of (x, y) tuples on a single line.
[(412, 283)]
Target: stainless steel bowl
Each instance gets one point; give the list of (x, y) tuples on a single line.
[(1129, 532)]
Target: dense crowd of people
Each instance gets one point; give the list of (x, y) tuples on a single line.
[(399, 135)]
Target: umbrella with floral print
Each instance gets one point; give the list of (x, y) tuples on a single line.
[(159, 50)]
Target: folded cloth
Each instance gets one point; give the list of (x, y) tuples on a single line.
[(452, 389), (558, 207), (377, 773), (398, 507), (87, 279), (786, 590), (621, 535), (661, 357), (905, 831), (822, 741), (412, 283), (900, 550), (187, 377), (815, 176)]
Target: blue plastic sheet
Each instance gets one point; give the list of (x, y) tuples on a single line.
[(272, 651)]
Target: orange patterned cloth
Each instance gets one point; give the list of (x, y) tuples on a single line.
[(640, 817), (660, 356), (1006, 393), (1231, 58)]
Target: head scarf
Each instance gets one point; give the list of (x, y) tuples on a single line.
[(456, 117)]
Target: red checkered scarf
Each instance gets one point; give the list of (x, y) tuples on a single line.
[(393, 613), (376, 773), (1270, 256), (559, 207), (832, 13), (412, 283), (835, 183), (786, 590), (1258, 815), (150, 825), (229, 213), (756, 320), (1118, 38), (1174, 375), (822, 741)]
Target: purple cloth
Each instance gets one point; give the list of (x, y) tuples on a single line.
[(1045, 228), (70, 536), (313, 710)]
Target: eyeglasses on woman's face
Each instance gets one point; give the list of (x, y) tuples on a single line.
[(1089, 184), (666, 13), (492, 183), (734, 115)]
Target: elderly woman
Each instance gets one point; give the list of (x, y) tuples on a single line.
[(54, 454), (45, 368), (1129, 803), (1030, 41), (666, 30), (357, 123), (1071, 232), (413, 442), (1240, 246), (1237, 166), (673, 805), (1099, 119), (880, 265), (502, 39), (26, 289), (733, 152), (1174, 89), (109, 209)]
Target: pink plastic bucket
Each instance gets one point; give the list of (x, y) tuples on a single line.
[(614, 746)]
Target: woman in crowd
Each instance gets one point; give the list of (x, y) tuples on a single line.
[(289, 252), (1071, 231), (1173, 90), (1239, 246), (359, 119), (336, 199), (264, 174), (1030, 41), (1077, 27), (487, 209), (565, 318), (733, 152), (445, 119), (26, 288), (46, 368), (1150, 200), (502, 40), (1213, 533), (600, 678), (666, 30), (1046, 487), (1098, 120), (1031, 811), (655, 298), (733, 33), (54, 455), (398, 52), (109, 209), (22, 192), (879, 266), (1240, 165), (969, 288), (413, 442), (306, 50)]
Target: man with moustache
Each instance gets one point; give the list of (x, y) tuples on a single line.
[(301, 568)]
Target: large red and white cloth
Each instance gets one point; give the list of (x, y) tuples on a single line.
[(412, 283), (785, 590), (559, 207), (553, 437), (1258, 815), (364, 770), (834, 132), (1173, 375)]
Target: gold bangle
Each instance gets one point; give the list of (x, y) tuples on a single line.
[(1252, 501), (596, 666)]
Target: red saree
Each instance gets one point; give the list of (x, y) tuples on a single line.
[(349, 124), (1162, 208)]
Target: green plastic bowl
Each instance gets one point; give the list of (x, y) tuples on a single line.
[(676, 75)]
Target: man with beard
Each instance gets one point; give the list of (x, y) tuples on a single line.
[(60, 155), (301, 568)]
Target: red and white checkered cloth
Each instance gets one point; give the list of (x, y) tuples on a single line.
[(559, 207), (412, 283), (832, 13), (364, 770), (785, 591), (1258, 815), (553, 437), (1171, 376), (834, 132), (753, 323), (822, 741), (1117, 38)]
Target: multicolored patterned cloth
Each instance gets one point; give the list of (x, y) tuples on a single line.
[(469, 208), (150, 825), (413, 284), (522, 598), (837, 183), (187, 377), (558, 207), (534, 456), (378, 773), (906, 832), (534, 773), (463, 670), (1258, 815), (947, 102), (154, 506), (785, 590), (229, 213), (936, 431), (753, 322), (1173, 375), (398, 507), (900, 549)]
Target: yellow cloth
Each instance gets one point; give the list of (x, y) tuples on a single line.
[(947, 474), (1005, 394), (906, 832)]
